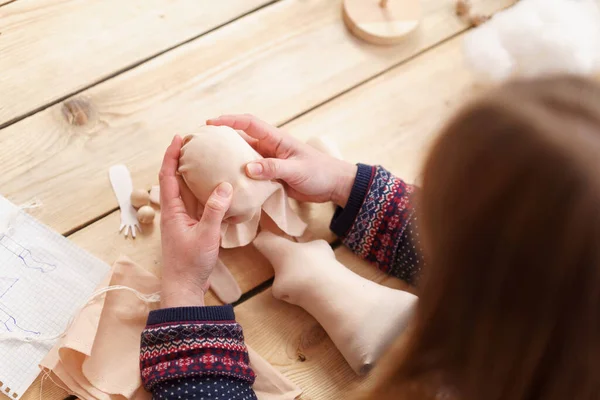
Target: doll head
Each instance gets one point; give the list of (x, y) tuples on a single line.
[(217, 154)]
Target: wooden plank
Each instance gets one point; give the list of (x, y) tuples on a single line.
[(276, 63), (287, 336), (50, 49), (297, 345), (350, 121), (405, 133), (322, 373), (398, 113)]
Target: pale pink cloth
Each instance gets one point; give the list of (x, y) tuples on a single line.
[(361, 317), (98, 358)]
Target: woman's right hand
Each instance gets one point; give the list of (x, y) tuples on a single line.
[(310, 175)]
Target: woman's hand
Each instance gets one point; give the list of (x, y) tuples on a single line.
[(310, 175), (190, 247)]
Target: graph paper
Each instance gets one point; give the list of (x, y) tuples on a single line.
[(44, 280)]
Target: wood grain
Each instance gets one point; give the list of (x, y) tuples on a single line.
[(350, 121), (299, 347), (418, 95), (45, 390), (413, 102), (276, 63), (51, 49)]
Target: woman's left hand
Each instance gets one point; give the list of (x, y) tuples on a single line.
[(190, 247)]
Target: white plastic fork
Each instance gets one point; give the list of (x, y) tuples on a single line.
[(120, 179)]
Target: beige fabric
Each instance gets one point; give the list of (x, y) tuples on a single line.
[(217, 154), (99, 356), (361, 317), (224, 285)]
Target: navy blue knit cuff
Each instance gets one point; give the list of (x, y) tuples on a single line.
[(344, 218), (191, 314)]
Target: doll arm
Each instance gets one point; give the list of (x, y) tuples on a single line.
[(189, 351), (379, 223)]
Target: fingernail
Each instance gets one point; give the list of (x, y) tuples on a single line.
[(255, 169), (224, 189)]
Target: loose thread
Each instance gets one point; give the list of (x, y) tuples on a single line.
[(46, 374), (146, 298)]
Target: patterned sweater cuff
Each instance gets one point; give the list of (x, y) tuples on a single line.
[(385, 214), (191, 314), (344, 218), (193, 341)]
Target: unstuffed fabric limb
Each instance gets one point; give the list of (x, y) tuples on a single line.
[(361, 317)]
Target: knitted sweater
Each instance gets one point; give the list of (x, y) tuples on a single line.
[(199, 352)]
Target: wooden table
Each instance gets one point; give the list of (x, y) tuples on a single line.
[(88, 84)]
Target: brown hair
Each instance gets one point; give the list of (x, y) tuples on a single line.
[(510, 221)]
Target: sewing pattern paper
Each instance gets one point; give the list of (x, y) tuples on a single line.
[(44, 280)]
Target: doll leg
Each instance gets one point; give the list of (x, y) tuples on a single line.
[(361, 317)]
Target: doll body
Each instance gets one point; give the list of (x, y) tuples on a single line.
[(219, 154), (361, 317)]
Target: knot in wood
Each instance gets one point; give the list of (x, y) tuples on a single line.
[(77, 112)]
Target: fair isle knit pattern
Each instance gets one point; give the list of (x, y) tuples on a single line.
[(384, 231), (184, 349)]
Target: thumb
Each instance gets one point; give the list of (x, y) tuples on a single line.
[(216, 206), (271, 168)]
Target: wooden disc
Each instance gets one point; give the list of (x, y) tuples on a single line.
[(380, 21)]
